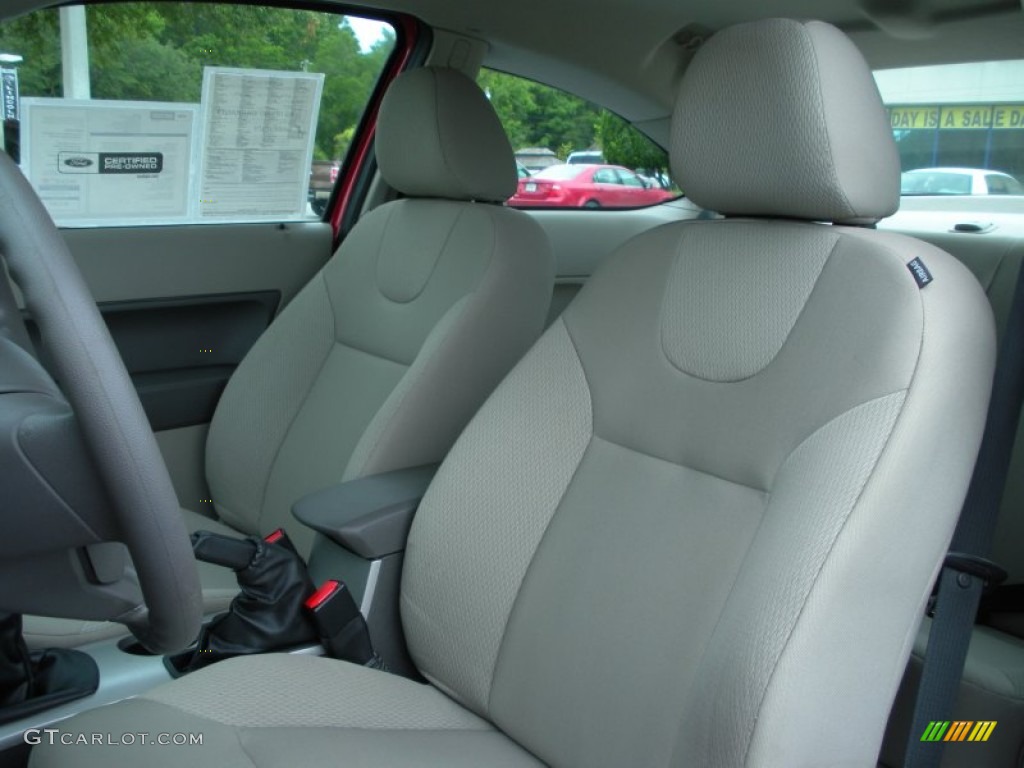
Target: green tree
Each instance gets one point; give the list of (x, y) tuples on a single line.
[(513, 100), (129, 61), (156, 51), (536, 115), (347, 83), (249, 36), (563, 119), (129, 73), (35, 37), (342, 142), (622, 144)]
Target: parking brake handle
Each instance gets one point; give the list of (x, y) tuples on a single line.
[(268, 614), (225, 551)]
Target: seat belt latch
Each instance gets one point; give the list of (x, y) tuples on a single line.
[(340, 624)]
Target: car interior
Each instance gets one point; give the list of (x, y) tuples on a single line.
[(429, 479)]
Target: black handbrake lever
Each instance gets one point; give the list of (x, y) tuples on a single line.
[(225, 551)]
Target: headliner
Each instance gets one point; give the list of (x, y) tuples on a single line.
[(627, 55)]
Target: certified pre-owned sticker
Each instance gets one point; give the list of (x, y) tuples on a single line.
[(110, 162)]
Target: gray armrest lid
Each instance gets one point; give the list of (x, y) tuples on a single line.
[(370, 516)]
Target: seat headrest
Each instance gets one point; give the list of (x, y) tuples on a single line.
[(438, 136), (783, 118)]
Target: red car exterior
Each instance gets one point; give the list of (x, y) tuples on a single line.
[(586, 186)]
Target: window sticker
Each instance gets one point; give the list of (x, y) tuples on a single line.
[(94, 160), (258, 131)]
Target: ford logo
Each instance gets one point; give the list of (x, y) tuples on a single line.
[(78, 162)]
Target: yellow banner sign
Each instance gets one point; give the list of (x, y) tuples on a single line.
[(972, 118), (914, 117), (975, 117), (1008, 116)]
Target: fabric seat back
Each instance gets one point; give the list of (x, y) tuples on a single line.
[(696, 525), (379, 362)]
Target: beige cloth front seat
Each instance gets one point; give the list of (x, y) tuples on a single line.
[(379, 362), (696, 525)]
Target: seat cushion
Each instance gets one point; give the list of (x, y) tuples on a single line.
[(280, 710), (219, 587)]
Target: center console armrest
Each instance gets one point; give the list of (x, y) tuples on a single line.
[(370, 516)]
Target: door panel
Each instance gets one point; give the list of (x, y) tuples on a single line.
[(132, 263), (169, 292), (181, 352), (185, 304)]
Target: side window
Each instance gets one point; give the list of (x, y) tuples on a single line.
[(177, 112), (630, 180), (996, 184), (557, 136), (954, 122)]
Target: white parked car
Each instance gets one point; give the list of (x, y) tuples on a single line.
[(959, 181)]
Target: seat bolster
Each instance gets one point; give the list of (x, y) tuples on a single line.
[(902, 523), (543, 412), (261, 401)]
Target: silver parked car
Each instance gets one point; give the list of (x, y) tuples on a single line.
[(959, 181)]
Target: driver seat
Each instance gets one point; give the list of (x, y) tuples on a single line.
[(382, 358), (698, 522)]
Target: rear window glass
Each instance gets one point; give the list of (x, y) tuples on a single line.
[(554, 132)]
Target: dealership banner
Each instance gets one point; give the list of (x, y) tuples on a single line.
[(999, 117)]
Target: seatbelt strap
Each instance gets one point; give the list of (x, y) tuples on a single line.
[(966, 571)]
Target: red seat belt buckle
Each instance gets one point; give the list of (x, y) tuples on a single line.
[(339, 623)]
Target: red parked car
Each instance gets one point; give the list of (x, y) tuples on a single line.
[(586, 186)]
